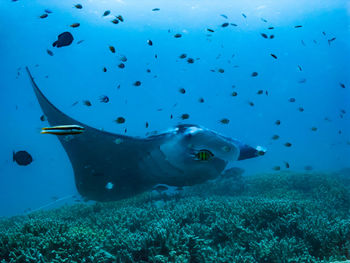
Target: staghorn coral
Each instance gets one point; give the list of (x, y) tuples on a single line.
[(286, 217)]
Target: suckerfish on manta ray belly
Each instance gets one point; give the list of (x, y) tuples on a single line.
[(110, 166)]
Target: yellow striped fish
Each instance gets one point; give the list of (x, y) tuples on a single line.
[(203, 155), (63, 130)]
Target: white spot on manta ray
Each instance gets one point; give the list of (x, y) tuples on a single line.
[(192, 130), (109, 186)]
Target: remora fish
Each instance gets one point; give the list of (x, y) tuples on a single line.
[(63, 130), (137, 164)]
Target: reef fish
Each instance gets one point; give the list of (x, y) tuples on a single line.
[(63, 130), (64, 39), (22, 158), (139, 163)]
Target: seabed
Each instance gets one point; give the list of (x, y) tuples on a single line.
[(278, 217)]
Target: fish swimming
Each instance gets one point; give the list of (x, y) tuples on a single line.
[(63, 130), (22, 158), (134, 164), (64, 39)]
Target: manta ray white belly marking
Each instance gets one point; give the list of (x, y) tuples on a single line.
[(110, 166)]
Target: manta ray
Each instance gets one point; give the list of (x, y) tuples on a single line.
[(109, 166)]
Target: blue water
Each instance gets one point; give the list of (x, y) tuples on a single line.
[(75, 73)]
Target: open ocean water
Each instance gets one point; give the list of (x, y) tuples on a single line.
[(195, 131)]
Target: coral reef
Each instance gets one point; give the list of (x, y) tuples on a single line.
[(280, 217)]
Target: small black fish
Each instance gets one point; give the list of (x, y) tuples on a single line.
[(75, 25), (182, 91), (146, 124), (48, 11), (342, 85), (177, 35), (251, 103), (43, 16), (278, 122), (224, 25), (22, 158), (80, 41), (183, 56), (155, 9), (49, 52), (115, 21), (87, 103), (263, 35), (121, 65), (210, 30), (234, 93), (104, 69), (274, 56), (123, 58), (201, 100), (42, 118), (64, 39), (300, 68), (301, 109), (331, 40), (291, 100), (190, 60), (78, 6), (260, 92), (244, 15), (275, 137), (224, 16), (137, 83), (270, 28), (254, 74), (185, 116), (264, 20), (120, 18), (272, 36), (287, 164), (149, 42), (314, 128), (112, 49), (104, 99), (221, 70), (106, 13), (225, 121), (233, 24), (120, 120), (298, 26), (288, 144)]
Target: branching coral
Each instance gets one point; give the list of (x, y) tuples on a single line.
[(269, 218)]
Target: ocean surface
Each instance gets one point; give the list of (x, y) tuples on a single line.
[(268, 73)]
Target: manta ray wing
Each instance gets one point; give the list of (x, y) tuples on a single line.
[(100, 158)]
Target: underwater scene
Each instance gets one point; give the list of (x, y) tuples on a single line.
[(175, 131)]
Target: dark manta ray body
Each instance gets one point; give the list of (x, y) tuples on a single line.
[(110, 166)]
